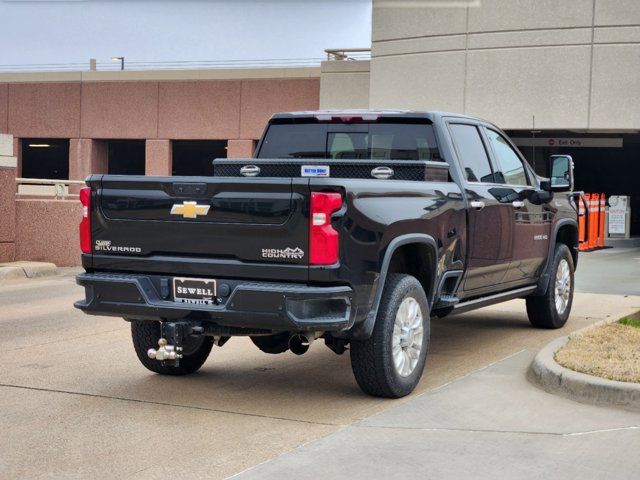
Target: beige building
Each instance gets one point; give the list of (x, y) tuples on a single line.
[(570, 66), (506, 60)]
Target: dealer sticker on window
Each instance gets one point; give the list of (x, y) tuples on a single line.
[(315, 170)]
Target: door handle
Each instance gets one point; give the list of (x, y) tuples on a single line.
[(477, 204), (518, 204)]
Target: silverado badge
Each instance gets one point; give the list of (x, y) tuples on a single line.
[(190, 209)]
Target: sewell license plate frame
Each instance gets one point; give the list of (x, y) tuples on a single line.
[(195, 291)]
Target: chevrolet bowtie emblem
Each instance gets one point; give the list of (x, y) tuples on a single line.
[(190, 209)]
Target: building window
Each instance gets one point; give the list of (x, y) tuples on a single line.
[(45, 158), (195, 157), (126, 157)]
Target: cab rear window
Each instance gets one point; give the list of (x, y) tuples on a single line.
[(358, 141)]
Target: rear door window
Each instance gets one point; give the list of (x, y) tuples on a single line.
[(471, 152)]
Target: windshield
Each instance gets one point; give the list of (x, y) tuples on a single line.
[(359, 141)]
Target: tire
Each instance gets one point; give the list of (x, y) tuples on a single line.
[(552, 309), (372, 360), (145, 335), (273, 344)]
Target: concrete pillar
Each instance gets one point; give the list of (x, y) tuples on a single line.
[(240, 148), (17, 152), (8, 171), (158, 157), (87, 156)]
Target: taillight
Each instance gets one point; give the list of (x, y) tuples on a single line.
[(85, 224), (323, 238), (347, 117)]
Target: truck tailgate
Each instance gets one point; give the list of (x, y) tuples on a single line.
[(232, 219)]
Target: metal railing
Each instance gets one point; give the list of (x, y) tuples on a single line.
[(348, 53), (93, 65), (45, 187), (164, 65)]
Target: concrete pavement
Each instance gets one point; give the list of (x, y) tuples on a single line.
[(614, 271), (490, 424), (76, 402)]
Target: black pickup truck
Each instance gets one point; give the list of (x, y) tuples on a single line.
[(354, 227)]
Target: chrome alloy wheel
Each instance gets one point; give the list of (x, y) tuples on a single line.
[(408, 330), (563, 286)]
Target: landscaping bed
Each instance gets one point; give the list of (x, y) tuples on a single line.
[(610, 351)]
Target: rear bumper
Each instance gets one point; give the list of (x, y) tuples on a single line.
[(249, 305)]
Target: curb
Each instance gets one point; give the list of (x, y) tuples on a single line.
[(554, 378), (16, 270)]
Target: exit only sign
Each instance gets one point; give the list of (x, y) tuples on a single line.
[(571, 142)]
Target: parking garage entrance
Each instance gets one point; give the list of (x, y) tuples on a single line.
[(195, 157), (126, 157), (46, 158), (604, 162)]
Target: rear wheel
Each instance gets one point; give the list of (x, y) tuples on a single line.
[(552, 309), (145, 335), (390, 363)]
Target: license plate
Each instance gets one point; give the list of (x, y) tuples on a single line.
[(194, 290)]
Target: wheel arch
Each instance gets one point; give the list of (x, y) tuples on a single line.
[(394, 261), (568, 234), (565, 231)]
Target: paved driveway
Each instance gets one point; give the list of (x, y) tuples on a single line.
[(613, 271), (77, 404), (492, 424)]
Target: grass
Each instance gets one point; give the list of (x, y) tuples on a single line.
[(610, 351), (630, 321)]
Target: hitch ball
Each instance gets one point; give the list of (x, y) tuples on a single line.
[(165, 351)]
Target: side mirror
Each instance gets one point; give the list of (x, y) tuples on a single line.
[(561, 173)]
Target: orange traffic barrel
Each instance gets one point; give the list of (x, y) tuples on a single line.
[(584, 246), (582, 235), (593, 220), (601, 220)]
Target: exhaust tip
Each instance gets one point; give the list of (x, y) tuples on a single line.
[(299, 344)]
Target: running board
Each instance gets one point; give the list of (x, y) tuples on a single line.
[(446, 301), (493, 299)]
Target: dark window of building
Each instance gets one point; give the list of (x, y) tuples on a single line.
[(471, 153), (599, 165), (510, 168), (195, 157), (126, 157), (45, 158)]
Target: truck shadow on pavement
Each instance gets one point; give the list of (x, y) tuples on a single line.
[(318, 387)]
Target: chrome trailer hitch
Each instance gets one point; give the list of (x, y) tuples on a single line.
[(165, 352), (170, 345)]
